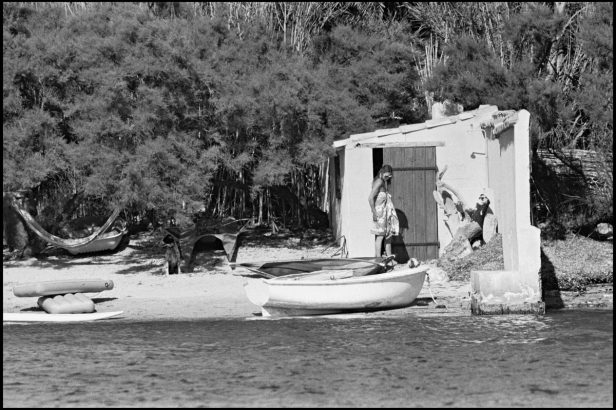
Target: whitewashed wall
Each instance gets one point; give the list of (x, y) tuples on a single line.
[(455, 144)]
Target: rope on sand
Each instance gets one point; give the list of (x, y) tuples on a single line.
[(431, 295)]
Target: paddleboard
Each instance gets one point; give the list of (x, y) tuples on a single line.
[(57, 317)]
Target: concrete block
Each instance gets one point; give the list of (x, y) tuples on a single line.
[(500, 292), (479, 307), (495, 282), (529, 255)]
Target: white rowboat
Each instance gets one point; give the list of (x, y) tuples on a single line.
[(321, 294), (107, 241)]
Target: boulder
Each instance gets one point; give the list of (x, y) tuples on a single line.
[(604, 231)]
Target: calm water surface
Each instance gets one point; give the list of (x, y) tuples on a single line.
[(562, 359)]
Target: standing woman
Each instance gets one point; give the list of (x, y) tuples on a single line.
[(384, 217)]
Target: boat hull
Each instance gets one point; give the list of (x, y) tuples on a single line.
[(319, 296), (105, 242)]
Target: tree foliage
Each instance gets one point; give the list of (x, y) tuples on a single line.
[(171, 107), (553, 59)]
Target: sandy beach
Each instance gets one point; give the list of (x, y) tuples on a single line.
[(213, 289)]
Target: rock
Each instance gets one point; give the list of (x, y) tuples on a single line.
[(466, 253), (459, 247), (604, 231), (293, 241)]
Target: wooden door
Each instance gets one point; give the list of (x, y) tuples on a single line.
[(411, 189)]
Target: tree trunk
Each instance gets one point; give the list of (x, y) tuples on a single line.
[(14, 229)]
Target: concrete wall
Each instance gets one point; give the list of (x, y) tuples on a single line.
[(502, 177), (356, 215), (509, 176), (517, 288)]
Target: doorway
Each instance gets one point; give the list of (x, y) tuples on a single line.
[(411, 190)]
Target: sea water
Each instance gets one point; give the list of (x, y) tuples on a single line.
[(562, 359)]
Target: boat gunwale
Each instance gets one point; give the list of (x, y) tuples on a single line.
[(375, 278), (109, 235), (309, 260), (264, 268), (105, 243)]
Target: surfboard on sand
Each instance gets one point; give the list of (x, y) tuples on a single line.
[(446, 202), (490, 226), (59, 317)]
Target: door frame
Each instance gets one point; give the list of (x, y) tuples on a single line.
[(428, 247)]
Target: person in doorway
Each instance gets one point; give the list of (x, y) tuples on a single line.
[(384, 217)]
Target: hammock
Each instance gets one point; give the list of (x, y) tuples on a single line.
[(56, 240)]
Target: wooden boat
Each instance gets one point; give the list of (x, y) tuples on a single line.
[(274, 269), (317, 294), (107, 241), (61, 317)]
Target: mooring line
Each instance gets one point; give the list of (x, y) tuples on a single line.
[(431, 295)]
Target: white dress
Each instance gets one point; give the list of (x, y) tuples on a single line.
[(387, 223)]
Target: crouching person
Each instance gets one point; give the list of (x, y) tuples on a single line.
[(470, 229)]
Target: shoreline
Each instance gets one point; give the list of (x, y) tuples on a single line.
[(201, 295), (215, 291)]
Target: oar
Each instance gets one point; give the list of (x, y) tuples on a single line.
[(261, 273), (252, 269)]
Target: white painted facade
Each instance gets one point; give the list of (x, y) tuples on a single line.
[(460, 145)]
